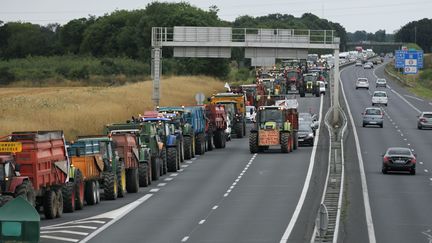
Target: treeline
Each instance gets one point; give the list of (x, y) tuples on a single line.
[(127, 34), (378, 36), (419, 32)]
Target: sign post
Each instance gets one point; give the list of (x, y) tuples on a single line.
[(409, 60)]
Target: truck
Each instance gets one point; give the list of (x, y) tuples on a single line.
[(275, 126), (216, 123), (38, 171), (113, 172), (194, 115), (149, 146), (235, 106), (166, 131)]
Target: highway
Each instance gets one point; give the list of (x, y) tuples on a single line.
[(226, 195), (399, 203)]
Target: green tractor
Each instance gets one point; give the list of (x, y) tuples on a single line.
[(310, 85), (275, 126)]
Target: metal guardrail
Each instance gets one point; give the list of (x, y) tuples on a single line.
[(192, 34)]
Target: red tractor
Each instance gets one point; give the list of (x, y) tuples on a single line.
[(216, 123)]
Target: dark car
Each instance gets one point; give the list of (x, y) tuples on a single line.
[(399, 159), (305, 134)]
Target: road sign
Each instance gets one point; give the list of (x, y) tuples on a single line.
[(199, 98), (399, 59), (10, 147), (411, 62), (410, 69)]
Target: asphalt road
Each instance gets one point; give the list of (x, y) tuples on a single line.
[(227, 195), (400, 203)]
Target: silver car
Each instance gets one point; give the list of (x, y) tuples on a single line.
[(373, 116), (362, 83), (424, 120), (381, 82)]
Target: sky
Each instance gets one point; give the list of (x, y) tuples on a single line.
[(368, 15)]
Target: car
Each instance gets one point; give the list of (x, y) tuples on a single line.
[(381, 82), (358, 63), (373, 116), (322, 87), (399, 159), (379, 98), (367, 66), (424, 120), (310, 119), (250, 113), (305, 134), (362, 83)]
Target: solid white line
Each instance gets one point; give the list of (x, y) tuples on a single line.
[(154, 190), (185, 239), (215, 207), (65, 232), (90, 222), (168, 179), (128, 210), (302, 198), (161, 184), (58, 238), (413, 97), (202, 221), (69, 227), (368, 213)]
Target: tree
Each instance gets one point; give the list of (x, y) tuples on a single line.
[(419, 32)]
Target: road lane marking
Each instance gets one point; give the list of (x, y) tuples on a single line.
[(181, 170), (185, 239), (189, 162), (174, 174), (215, 207), (413, 97), (69, 227), (202, 221), (64, 232), (154, 190), (168, 179), (193, 158), (306, 184), (366, 201), (58, 238), (161, 184), (421, 162), (426, 171), (116, 215)]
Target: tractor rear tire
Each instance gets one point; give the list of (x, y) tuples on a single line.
[(253, 143), (27, 192), (155, 168), (239, 130), (68, 192), (59, 198), (121, 179), (210, 141), (285, 143), (110, 186), (182, 152), (90, 192), (79, 190), (50, 204), (132, 181), (295, 141), (144, 175), (223, 138), (187, 148), (172, 159), (200, 144), (217, 139), (164, 161)]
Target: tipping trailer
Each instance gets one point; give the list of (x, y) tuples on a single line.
[(235, 106), (275, 126), (38, 171), (216, 123), (194, 115)]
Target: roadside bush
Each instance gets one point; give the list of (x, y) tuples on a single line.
[(6, 76)]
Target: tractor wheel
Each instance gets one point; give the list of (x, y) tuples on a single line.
[(210, 141), (98, 197), (217, 139), (253, 143), (295, 143), (90, 192), (110, 185), (68, 192), (50, 204), (144, 175), (132, 181), (79, 190), (200, 144), (285, 143), (155, 168), (26, 191), (172, 159), (187, 148), (182, 152), (244, 128), (291, 142), (238, 127), (223, 138), (5, 199), (164, 161), (121, 179), (59, 198)]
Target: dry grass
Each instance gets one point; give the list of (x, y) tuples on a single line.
[(85, 110)]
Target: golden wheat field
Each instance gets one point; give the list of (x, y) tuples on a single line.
[(85, 110)]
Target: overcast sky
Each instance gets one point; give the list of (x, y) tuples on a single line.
[(369, 15)]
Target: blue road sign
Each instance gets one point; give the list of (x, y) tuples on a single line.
[(399, 59), (402, 57)]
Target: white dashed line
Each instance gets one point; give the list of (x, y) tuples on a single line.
[(193, 158), (154, 190), (168, 179), (421, 162), (174, 174), (202, 221), (430, 179), (189, 162), (161, 184), (181, 170), (215, 207), (226, 194), (426, 171), (184, 166)]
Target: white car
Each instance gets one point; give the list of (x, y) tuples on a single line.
[(379, 98), (367, 66), (362, 83), (381, 82), (358, 63), (322, 87), (250, 113)]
